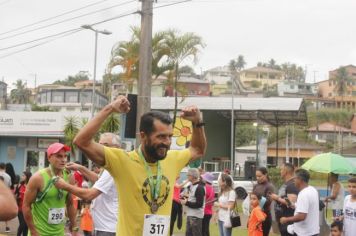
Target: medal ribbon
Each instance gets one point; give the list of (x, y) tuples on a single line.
[(155, 185)]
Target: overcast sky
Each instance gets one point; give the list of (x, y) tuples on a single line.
[(318, 34)]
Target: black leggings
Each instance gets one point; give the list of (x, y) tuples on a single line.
[(22, 230), (267, 224), (206, 223), (176, 212)]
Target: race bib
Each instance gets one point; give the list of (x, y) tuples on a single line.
[(56, 216), (156, 225)]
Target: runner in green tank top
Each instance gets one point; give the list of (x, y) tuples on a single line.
[(45, 207)]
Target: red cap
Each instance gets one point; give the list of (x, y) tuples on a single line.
[(56, 147)]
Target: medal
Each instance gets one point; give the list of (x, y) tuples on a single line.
[(154, 207), (155, 184)]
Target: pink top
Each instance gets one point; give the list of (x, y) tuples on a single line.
[(209, 198), (176, 194)]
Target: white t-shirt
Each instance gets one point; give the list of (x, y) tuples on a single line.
[(7, 178), (349, 216), (308, 202), (224, 199), (105, 206)]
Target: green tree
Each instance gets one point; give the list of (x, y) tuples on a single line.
[(71, 128), (71, 80), (111, 124), (126, 55), (181, 47), (343, 82), (21, 94)]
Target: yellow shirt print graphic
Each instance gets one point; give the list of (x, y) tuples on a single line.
[(131, 180)]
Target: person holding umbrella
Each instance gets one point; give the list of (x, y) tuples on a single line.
[(336, 198)]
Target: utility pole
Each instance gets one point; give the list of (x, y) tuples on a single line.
[(145, 64)]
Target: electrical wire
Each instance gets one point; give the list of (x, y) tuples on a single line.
[(66, 20), (73, 31), (52, 17), (40, 44)]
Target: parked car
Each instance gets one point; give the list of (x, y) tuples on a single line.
[(242, 187)]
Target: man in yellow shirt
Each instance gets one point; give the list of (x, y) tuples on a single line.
[(144, 177)]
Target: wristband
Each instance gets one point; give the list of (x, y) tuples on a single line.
[(75, 229), (198, 125)]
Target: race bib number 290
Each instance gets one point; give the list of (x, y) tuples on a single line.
[(56, 216), (156, 225)]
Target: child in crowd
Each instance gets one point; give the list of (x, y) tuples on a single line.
[(86, 222), (350, 209), (257, 216), (336, 228)]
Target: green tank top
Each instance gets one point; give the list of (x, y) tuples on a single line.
[(49, 213)]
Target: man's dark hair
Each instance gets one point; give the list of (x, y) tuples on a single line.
[(303, 175), (352, 180), (2, 165), (147, 119), (289, 167), (337, 224)]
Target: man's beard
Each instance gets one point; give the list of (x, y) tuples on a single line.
[(152, 151)]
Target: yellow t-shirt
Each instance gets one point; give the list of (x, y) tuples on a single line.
[(133, 188)]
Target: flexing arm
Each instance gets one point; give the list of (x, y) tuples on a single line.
[(90, 175), (8, 204), (32, 189), (198, 143), (86, 194), (84, 139)]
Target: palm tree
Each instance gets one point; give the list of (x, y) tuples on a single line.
[(181, 48), (343, 81), (126, 55), (71, 128), (111, 124), (235, 66), (21, 94)]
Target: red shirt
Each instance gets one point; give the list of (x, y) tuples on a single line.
[(78, 178), (209, 197), (21, 196), (176, 194)]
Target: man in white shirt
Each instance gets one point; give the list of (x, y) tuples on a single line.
[(306, 215), (7, 178), (103, 193)]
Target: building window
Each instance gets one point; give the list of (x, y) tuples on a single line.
[(292, 86), (330, 94), (70, 108), (85, 97), (329, 83), (58, 97), (72, 97)]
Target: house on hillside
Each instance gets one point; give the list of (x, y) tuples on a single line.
[(258, 77), (296, 152), (326, 88), (292, 88), (66, 98), (327, 132)]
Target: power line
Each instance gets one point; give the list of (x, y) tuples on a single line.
[(35, 40), (68, 19), (40, 44), (51, 18), (73, 31), (62, 34)]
